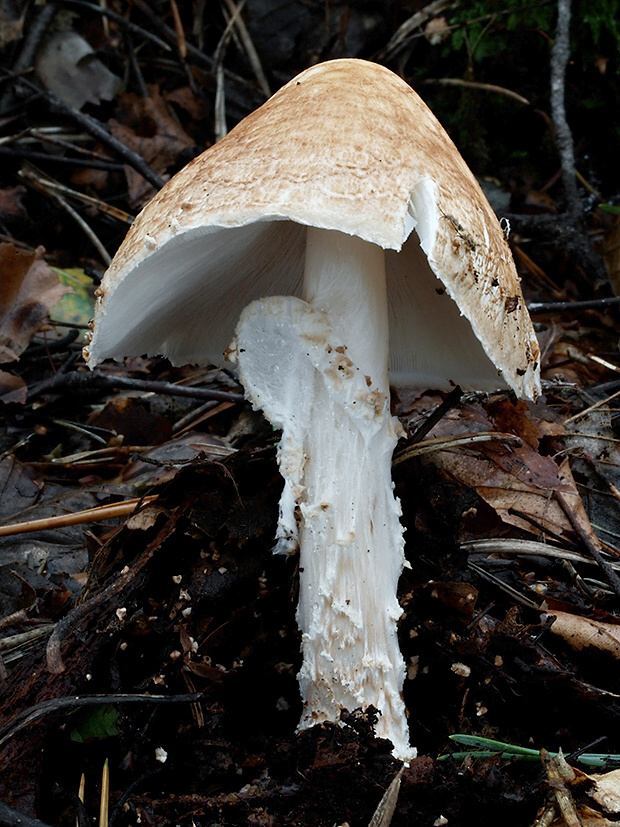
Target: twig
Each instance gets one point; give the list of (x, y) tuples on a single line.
[(101, 132), (28, 716), (220, 88), (40, 184), (594, 407), (36, 32), (33, 155), (451, 401), (55, 346), (220, 104), (93, 603), (445, 443), (50, 184), (24, 638), (483, 87), (67, 140), (135, 66), (248, 45), (97, 380), (93, 127), (119, 20), (604, 363), (560, 307), (524, 547), (516, 595), (560, 54), (612, 577), (179, 31), (399, 38), (88, 515)]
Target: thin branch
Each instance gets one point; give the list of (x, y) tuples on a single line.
[(560, 54), (561, 307), (606, 567), (248, 45), (51, 184), (483, 87), (94, 128), (32, 714), (35, 35), (120, 21), (96, 380), (40, 184), (88, 515)]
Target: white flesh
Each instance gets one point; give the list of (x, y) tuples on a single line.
[(318, 369)]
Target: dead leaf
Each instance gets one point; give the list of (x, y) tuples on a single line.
[(10, 202), (12, 388), (145, 518), (11, 23), (537, 201), (606, 792), (128, 416), (559, 777), (196, 107), (517, 481), (588, 818), (518, 484), (582, 632), (67, 66), (436, 31), (146, 126), (28, 289)]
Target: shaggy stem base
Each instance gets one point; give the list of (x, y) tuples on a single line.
[(319, 371)]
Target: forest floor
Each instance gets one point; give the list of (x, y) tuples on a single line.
[(146, 626)]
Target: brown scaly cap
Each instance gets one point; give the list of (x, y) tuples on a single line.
[(346, 145)]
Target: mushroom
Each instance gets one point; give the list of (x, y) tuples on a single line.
[(340, 232)]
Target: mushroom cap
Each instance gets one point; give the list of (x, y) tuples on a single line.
[(347, 145)]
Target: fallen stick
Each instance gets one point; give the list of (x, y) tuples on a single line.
[(89, 515)]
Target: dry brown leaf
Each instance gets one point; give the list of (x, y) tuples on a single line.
[(518, 483), (133, 419), (196, 107), (11, 23), (12, 388), (148, 128), (28, 289), (588, 817), (145, 518), (437, 30), (10, 202), (581, 632), (606, 792)]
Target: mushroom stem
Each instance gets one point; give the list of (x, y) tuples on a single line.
[(318, 370), (351, 540), (344, 276)]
